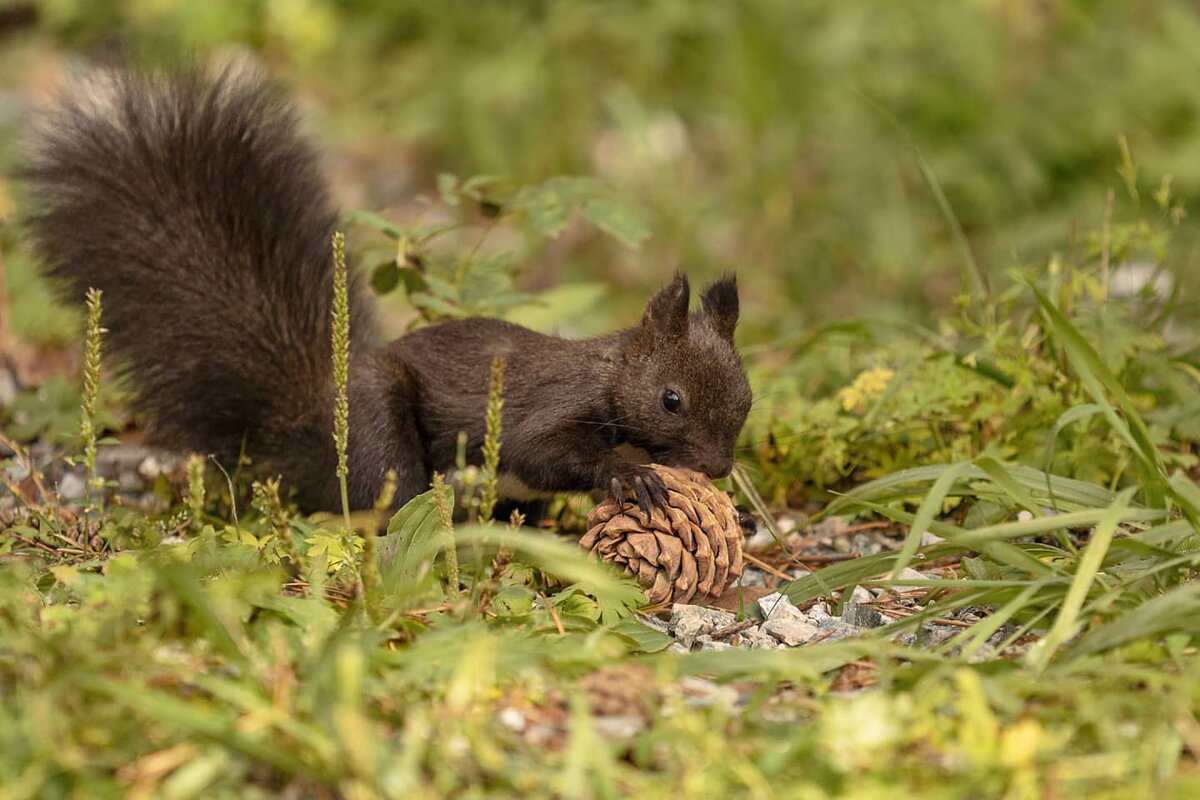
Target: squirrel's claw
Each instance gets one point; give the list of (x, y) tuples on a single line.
[(617, 491), (640, 485), (645, 499)]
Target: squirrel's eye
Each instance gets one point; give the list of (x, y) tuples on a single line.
[(671, 401)]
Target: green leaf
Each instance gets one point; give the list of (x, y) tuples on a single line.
[(643, 637), (385, 277), (1068, 417), (440, 307), (413, 538), (374, 221), (545, 209), (617, 219), (448, 188)]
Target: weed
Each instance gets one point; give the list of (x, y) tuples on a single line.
[(491, 441), (91, 389), (195, 489), (341, 367)]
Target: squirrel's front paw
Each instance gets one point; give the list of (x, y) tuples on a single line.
[(638, 483)]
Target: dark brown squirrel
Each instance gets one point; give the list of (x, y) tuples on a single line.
[(198, 210)]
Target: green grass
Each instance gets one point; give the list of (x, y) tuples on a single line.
[(1044, 428), (190, 654)]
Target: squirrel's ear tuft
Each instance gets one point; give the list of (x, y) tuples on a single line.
[(720, 301), (666, 316)]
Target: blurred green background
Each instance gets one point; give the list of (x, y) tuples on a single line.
[(799, 143)]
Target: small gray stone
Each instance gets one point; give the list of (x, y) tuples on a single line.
[(688, 622), (908, 574), (790, 632), (130, 482), (861, 595), (830, 526), (778, 606), (752, 576), (150, 468), (819, 615), (861, 616), (513, 719), (787, 524), (839, 631), (72, 486), (625, 726), (762, 540), (865, 545), (8, 388), (932, 634), (760, 640), (703, 692), (707, 645)]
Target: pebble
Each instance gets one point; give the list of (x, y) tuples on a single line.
[(833, 627), (819, 613), (830, 526), (8, 388), (150, 468), (778, 606), (786, 524), (909, 574), (688, 622), (760, 541), (71, 486), (703, 692), (932, 634), (790, 632), (625, 726), (861, 595), (759, 640), (129, 483), (752, 576), (512, 719), (861, 616), (865, 545)]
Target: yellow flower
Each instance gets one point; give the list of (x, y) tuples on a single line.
[(869, 383)]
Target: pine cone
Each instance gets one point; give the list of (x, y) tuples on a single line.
[(691, 548)]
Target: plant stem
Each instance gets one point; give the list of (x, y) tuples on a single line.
[(341, 367)]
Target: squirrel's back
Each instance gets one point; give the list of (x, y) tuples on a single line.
[(196, 208)]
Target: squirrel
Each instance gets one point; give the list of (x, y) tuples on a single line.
[(193, 203)]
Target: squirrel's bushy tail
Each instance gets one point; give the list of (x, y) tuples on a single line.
[(192, 202)]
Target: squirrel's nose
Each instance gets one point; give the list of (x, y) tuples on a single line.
[(718, 467)]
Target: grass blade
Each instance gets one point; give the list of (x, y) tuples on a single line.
[(1086, 574), (931, 505)]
